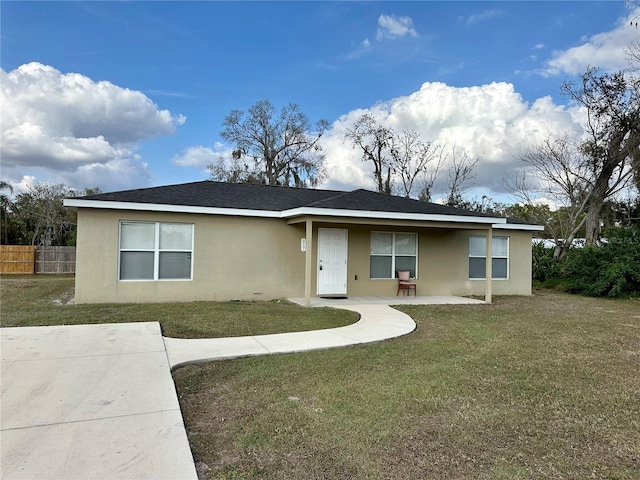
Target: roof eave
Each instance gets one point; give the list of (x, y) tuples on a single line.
[(160, 207), (495, 222), (519, 226)]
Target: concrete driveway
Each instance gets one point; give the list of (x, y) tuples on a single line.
[(90, 401), (98, 401)]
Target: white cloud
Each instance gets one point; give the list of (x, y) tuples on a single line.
[(542, 201), (491, 121), (199, 157), (23, 185), (117, 174), (391, 26), (480, 17), (68, 126), (606, 50)]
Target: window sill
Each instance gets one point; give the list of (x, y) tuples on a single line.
[(134, 280), (493, 279)]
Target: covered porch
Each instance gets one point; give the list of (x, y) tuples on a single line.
[(443, 248)]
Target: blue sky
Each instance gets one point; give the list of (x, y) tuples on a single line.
[(127, 95)]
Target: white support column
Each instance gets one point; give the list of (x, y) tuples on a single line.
[(308, 263), (489, 266)]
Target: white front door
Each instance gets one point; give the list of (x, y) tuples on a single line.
[(332, 261)]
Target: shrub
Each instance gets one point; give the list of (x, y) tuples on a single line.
[(612, 269), (543, 266)]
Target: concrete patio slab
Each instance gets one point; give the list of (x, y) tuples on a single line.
[(399, 300), (90, 401)]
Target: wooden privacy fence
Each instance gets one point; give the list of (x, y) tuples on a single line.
[(46, 260), (17, 259), (56, 260)]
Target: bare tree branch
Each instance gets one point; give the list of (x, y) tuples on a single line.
[(275, 148)]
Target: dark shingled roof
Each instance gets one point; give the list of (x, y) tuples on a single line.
[(267, 198)]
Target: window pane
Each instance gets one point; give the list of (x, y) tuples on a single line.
[(477, 267), (405, 244), (381, 243), (175, 265), (499, 247), (175, 236), (380, 267), (406, 263), (477, 246), (499, 268), (136, 265), (137, 235)]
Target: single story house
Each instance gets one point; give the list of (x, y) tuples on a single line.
[(222, 241)]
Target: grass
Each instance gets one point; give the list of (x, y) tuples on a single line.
[(44, 300), (530, 387)]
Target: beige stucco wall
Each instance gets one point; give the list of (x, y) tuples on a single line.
[(233, 258), (258, 258)]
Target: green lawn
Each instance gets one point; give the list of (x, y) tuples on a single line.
[(44, 300), (546, 386)]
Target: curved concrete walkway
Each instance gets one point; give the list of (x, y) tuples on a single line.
[(378, 321)]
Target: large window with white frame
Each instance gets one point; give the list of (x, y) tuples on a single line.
[(155, 251), (478, 257), (391, 252)]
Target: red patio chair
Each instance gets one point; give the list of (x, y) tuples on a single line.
[(405, 284)]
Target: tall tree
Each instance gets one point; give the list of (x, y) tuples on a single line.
[(414, 160), (5, 206), (461, 174), (556, 169), (612, 106), (375, 141), (41, 216), (271, 147), (45, 219), (401, 161)]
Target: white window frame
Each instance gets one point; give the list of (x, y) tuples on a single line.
[(156, 250), (493, 257), (392, 254)]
